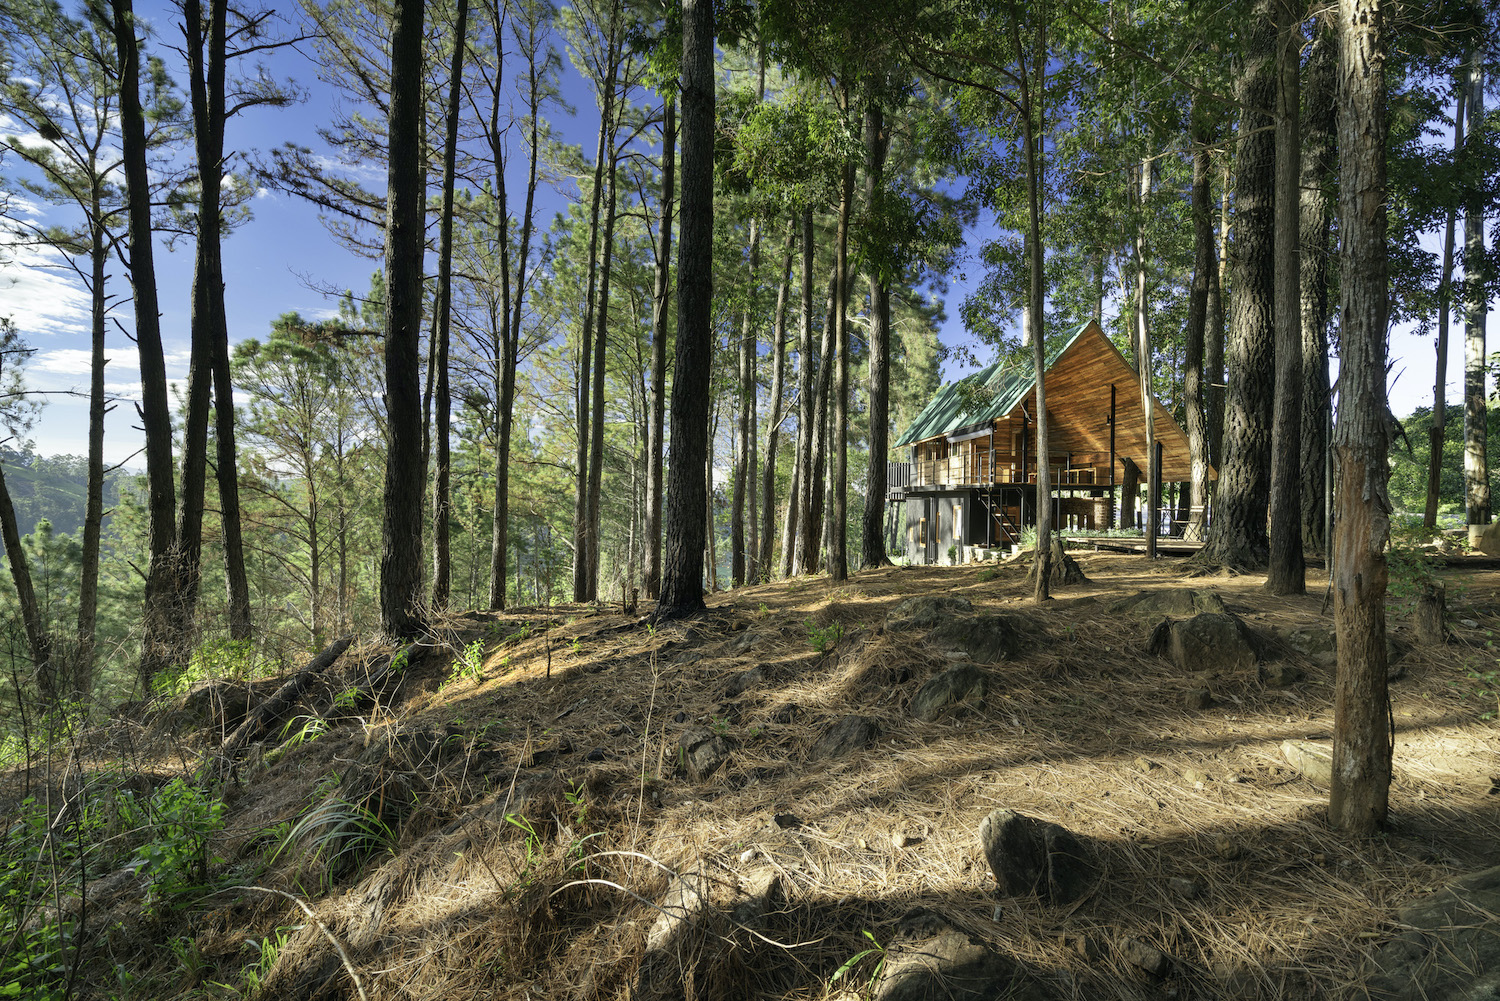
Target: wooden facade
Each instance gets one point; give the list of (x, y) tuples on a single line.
[(970, 480)]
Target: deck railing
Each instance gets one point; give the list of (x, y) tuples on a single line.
[(967, 470)]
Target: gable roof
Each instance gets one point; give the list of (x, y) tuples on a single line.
[(1081, 370), (1003, 386)]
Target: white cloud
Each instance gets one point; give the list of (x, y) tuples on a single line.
[(41, 296)]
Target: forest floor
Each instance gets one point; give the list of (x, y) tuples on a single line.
[(568, 803)]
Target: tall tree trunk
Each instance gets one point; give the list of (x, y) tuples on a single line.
[(660, 301), (1316, 227), (872, 535), (442, 494), (778, 412), (682, 571), (1033, 129), (1197, 324), (1361, 730), (601, 321), (838, 556), (506, 332), (812, 546), (1237, 536), (1476, 455), (38, 639), (1213, 343), (158, 614), (583, 545), (799, 507), (1437, 433), (744, 423), (401, 614), (1287, 572), (1143, 363), (93, 517)]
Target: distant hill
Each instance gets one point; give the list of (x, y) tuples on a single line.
[(54, 488)]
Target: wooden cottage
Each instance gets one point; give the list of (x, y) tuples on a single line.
[(970, 482)]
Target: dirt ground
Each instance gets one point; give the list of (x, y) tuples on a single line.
[(548, 811)]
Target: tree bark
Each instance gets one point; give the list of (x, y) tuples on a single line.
[(660, 301), (838, 556), (1287, 572), (1476, 446), (1196, 327), (1143, 363), (800, 509), (583, 545), (872, 535), (38, 638), (93, 517), (814, 541), (601, 336), (1318, 164), (682, 572), (744, 423), (1213, 343), (442, 494), (1237, 536), (1362, 735), (159, 612), (1437, 432), (778, 413), (401, 614)]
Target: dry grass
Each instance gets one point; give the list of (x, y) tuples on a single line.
[(532, 856)]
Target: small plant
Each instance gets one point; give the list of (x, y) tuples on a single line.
[(181, 822), (266, 950), (347, 699), (341, 834), (875, 949), (953, 555), (311, 728), (470, 664), (825, 638)]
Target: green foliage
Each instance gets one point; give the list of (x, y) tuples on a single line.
[(470, 664), (339, 836), (1410, 454), (825, 638), (180, 822), (875, 949), (214, 660)]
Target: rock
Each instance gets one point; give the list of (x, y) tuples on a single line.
[(1183, 601), (743, 681), (1034, 856), (786, 821), (965, 683), (703, 751), (1282, 675), (1147, 957), (1184, 888), (1448, 951), (1311, 640), (1487, 540), (952, 966), (987, 639), (845, 736), (1197, 698), (1213, 641), (743, 643), (1314, 761), (597, 754), (924, 612), (1194, 777)]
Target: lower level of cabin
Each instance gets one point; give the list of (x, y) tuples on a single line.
[(947, 525)]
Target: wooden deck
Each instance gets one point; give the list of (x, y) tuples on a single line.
[(1165, 545)]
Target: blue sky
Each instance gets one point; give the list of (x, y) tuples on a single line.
[(277, 262)]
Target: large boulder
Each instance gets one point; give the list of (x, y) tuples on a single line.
[(1449, 950), (1183, 601), (1213, 641), (952, 966), (986, 639), (845, 736), (964, 683), (925, 611), (1029, 856)]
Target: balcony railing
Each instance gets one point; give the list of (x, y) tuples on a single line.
[(976, 469)]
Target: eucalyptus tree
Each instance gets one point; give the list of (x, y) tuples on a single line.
[(1475, 306)]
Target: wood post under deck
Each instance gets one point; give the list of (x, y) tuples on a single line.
[(1109, 521)]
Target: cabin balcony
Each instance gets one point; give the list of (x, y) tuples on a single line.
[(977, 470)]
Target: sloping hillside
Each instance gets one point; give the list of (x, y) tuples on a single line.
[(782, 798)]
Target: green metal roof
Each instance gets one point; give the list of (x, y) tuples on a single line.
[(980, 397)]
